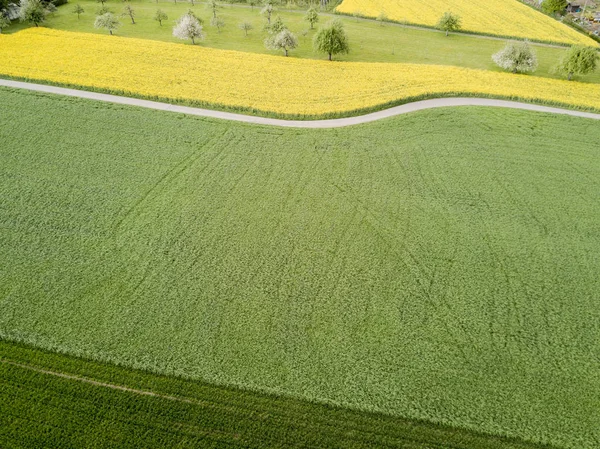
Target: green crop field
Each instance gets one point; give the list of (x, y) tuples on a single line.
[(80, 403), (438, 266), (369, 41)]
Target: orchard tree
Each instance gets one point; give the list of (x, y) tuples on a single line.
[(103, 10), (4, 22), (101, 1), (578, 60), (107, 21), (214, 6), (78, 9), (285, 40), (312, 17), (554, 6), (129, 12), (267, 11), (32, 11), (382, 18), (518, 57), (245, 26), (449, 22), (160, 16), (331, 39), (276, 27), (253, 3), (218, 23), (188, 27)]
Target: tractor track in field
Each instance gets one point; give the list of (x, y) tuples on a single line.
[(314, 124)]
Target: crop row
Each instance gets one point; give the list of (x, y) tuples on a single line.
[(254, 82)]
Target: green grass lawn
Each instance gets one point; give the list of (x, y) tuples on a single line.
[(440, 265), (369, 40), (41, 407)]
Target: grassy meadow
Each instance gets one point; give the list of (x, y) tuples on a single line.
[(438, 266), (370, 42)]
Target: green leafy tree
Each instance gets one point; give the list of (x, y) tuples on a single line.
[(253, 3), (78, 9), (129, 12), (332, 39), (101, 1), (276, 27), (160, 15), (285, 40), (312, 17), (32, 11), (4, 22), (107, 21), (245, 26), (518, 57), (449, 22), (554, 6), (578, 60), (103, 10)]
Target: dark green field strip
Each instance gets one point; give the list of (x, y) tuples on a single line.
[(40, 406)]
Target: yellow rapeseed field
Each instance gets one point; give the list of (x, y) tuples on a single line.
[(253, 81), (497, 17)]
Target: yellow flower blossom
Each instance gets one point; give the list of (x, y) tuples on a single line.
[(254, 81), (497, 17)]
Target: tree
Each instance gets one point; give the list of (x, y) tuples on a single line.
[(518, 57), (276, 27), (218, 23), (4, 22), (312, 17), (188, 27), (331, 39), (129, 12), (267, 11), (107, 21), (214, 6), (32, 11), (160, 16), (78, 9), (101, 1), (578, 60), (285, 40), (382, 18), (103, 10), (554, 6), (246, 26), (449, 22), (253, 3), (191, 13)]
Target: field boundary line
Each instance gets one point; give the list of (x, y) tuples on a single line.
[(314, 124)]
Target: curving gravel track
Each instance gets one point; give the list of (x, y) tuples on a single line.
[(329, 123)]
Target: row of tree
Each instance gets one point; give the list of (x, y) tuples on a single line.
[(519, 57)]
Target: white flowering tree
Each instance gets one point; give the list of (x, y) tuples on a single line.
[(284, 40), (188, 27), (107, 21), (518, 57)]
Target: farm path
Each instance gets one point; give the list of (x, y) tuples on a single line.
[(329, 123)]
